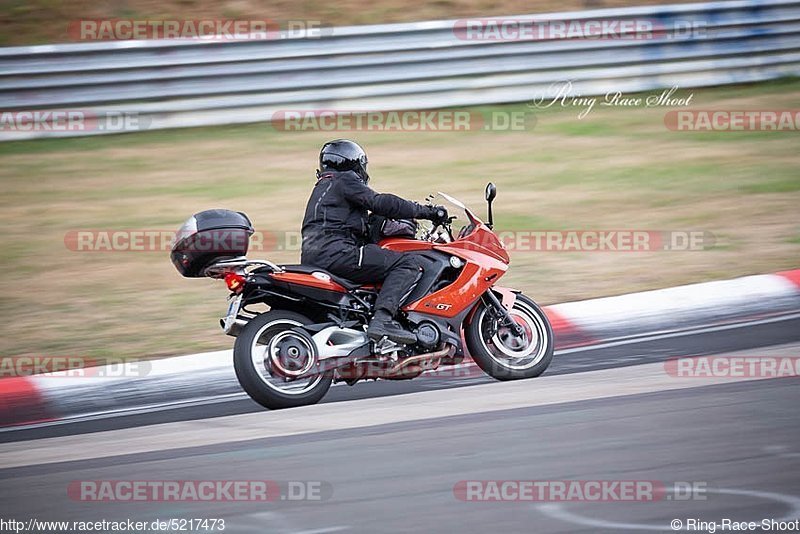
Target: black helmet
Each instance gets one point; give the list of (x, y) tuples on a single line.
[(344, 155)]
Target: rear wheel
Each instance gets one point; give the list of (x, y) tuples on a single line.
[(267, 350), (500, 352)]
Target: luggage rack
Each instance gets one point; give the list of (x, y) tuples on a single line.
[(220, 268)]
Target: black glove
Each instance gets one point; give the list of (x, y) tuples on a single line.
[(436, 214)]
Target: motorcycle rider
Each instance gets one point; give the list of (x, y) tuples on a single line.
[(336, 235)]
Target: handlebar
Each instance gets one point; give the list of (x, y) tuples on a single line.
[(444, 225)]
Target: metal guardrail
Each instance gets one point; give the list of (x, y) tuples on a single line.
[(397, 66)]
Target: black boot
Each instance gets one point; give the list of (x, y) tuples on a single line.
[(382, 325)]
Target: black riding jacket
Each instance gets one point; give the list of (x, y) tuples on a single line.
[(336, 216)]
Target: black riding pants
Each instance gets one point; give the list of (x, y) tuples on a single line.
[(398, 272)]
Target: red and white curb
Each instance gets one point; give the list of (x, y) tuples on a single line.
[(202, 378), (674, 308)]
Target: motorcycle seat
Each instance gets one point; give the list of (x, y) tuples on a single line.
[(310, 269)]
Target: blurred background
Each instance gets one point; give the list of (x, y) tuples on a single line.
[(44, 21), (203, 138)]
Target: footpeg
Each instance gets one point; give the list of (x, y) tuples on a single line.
[(385, 346)]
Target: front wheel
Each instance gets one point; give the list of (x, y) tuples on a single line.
[(500, 352), (270, 340)]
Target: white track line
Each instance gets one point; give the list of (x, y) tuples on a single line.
[(679, 333)]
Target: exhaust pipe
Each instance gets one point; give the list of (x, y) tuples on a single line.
[(236, 327), (448, 350)]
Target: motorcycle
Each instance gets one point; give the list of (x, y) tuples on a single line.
[(299, 328)]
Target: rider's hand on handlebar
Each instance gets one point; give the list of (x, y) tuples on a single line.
[(437, 215)]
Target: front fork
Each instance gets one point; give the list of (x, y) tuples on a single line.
[(499, 310)]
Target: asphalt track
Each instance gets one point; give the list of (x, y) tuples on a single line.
[(389, 455), (642, 349)]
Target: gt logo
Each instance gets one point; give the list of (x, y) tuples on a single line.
[(443, 306)]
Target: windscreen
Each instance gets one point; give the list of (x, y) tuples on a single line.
[(465, 220)]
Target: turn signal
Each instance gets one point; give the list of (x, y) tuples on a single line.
[(235, 282)]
